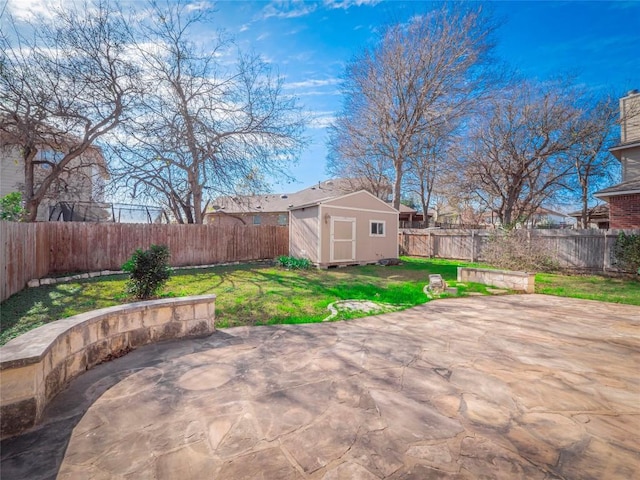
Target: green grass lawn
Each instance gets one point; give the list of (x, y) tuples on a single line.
[(255, 294), (246, 294), (592, 287)]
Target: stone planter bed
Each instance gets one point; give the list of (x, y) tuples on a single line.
[(39, 364), (519, 281)]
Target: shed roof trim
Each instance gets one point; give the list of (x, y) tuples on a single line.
[(330, 200)]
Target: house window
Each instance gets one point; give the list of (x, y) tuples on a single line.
[(51, 156), (283, 219), (257, 220), (376, 228)]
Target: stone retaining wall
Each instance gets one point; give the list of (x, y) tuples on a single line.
[(39, 364), (521, 281)]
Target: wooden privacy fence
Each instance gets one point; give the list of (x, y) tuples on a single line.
[(36, 250), (573, 249)]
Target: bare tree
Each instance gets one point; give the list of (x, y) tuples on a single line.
[(518, 149), (418, 78), (592, 162), (61, 90), (204, 127), (430, 165), (371, 173)]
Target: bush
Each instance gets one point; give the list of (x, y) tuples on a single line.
[(626, 252), (148, 271), (11, 207), (293, 263), (517, 250)]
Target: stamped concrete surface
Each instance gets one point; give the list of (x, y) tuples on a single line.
[(510, 387)]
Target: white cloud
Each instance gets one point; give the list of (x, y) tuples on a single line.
[(346, 4), (296, 30), (30, 9), (312, 83), (322, 119), (201, 5), (244, 27), (288, 9), (300, 8), (314, 93), (262, 36)]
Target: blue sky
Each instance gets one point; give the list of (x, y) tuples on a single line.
[(309, 44)]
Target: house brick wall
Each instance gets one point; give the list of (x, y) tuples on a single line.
[(624, 211)]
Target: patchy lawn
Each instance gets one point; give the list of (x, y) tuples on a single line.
[(257, 294), (248, 294), (590, 287)]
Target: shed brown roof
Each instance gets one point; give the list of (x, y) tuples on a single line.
[(277, 203)]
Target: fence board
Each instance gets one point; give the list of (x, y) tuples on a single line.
[(18, 261), (574, 249), (35, 250)]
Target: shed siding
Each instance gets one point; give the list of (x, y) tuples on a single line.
[(361, 201), (368, 248), (303, 233)]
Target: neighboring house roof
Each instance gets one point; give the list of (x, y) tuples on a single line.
[(599, 212), (406, 209), (625, 188), (277, 203), (547, 211), (328, 200)]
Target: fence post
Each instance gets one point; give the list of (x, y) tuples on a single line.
[(606, 260), (473, 245)]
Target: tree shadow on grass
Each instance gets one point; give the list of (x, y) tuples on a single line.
[(33, 307), (247, 294)]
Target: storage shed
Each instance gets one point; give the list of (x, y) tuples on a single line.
[(355, 228)]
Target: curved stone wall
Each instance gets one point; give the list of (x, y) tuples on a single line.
[(36, 366)]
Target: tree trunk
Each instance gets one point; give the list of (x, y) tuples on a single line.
[(425, 209), (31, 201), (197, 205), (584, 217), (506, 214), (396, 185)]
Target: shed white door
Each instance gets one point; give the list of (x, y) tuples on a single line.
[(343, 239)]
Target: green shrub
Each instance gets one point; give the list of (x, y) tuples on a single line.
[(626, 252), (11, 207), (293, 263), (148, 271)]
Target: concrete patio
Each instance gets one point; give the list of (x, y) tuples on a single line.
[(507, 387)]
